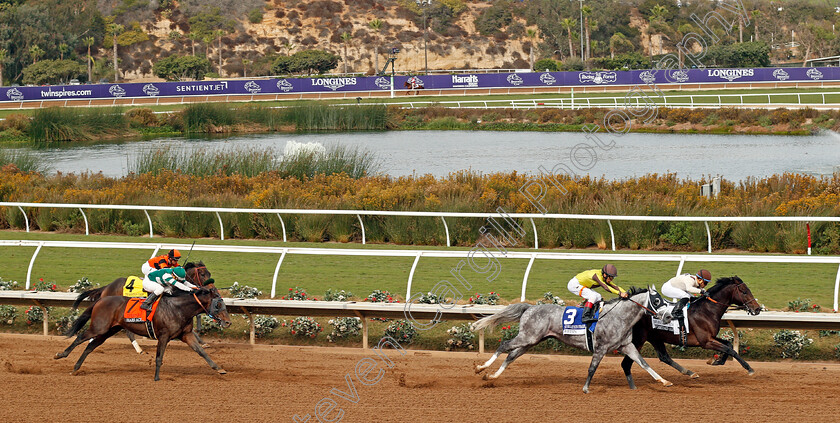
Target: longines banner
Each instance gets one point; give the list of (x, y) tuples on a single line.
[(383, 83)]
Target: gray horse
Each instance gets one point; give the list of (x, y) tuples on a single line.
[(613, 332)]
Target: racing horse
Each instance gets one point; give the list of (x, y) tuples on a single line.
[(704, 316), (197, 274), (173, 319), (613, 331), (413, 84)]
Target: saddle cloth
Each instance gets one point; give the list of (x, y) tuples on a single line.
[(134, 314), (572, 324), (674, 325), (133, 287)]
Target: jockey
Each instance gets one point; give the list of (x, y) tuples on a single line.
[(584, 283), (161, 262), (684, 287), (155, 282)]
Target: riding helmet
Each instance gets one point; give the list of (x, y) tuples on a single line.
[(179, 273), (705, 275), (610, 270), (175, 255)]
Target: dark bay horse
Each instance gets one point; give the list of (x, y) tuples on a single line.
[(173, 319), (704, 316), (536, 323), (197, 274)]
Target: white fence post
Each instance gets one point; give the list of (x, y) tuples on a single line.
[(446, 228), (283, 225), (276, 271), (708, 236), (84, 216), (682, 262), (149, 218), (612, 234), (411, 276), (154, 253), (32, 262), (525, 279), (836, 288), (221, 227), (536, 239), (25, 218), (362, 224)]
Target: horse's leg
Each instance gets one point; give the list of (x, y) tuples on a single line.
[(191, 339), (639, 338), (720, 345), (662, 353), (593, 365), (722, 357), (480, 368), (161, 348), (95, 342), (79, 339), (513, 355), (134, 343), (631, 351), (515, 347)]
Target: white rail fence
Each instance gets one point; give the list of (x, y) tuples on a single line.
[(441, 215), (282, 252)]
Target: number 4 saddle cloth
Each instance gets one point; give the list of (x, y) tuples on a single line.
[(133, 287), (135, 314)]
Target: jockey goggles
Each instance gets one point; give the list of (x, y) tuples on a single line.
[(702, 278)]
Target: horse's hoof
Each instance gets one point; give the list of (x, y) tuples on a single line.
[(751, 373), (205, 346), (59, 355), (585, 390), (666, 383), (478, 370), (222, 371), (694, 375)]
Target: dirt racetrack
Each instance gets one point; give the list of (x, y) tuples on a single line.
[(273, 383)]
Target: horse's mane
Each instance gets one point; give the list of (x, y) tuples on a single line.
[(190, 264), (630, 292), (722, 283)]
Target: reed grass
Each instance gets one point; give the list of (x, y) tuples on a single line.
[(58, 124), (25, 161), (319, 117)]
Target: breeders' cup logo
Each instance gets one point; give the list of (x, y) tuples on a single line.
[(14, 94), (679, 75), (647, 77), (780, 74), (514, 79), (252, 87), (284, 85), (597, 77), (151, 90), (813, 73), (333, 83), (730, 74), (116, 91), (548, 79), (383, 83)]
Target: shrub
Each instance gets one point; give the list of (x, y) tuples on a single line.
[(305, 326), (790, 342), (62, 325), (800, 305), (44, 286), (837, 351), (549, 298), (255, 15), (53, 72), (141, 118), (81, 285), (180, 68), (460, 337), (401, 330), (727, 335), (264, 325), (244, 291), (572, 64), (491, 299), (341, 295), (209, 325), (8, 314), (826, 333), (298, 294), (35, 314), (7, 284), (429, 298), (546, 65), (344, 327), (509, 332), (378, 296)]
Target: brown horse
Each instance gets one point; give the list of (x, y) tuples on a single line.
[(173, 319), (704, 316), (197, 274)]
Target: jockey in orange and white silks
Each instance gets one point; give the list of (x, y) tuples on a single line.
[(584, 283), (157, 281), (161, 262), (684, 287)]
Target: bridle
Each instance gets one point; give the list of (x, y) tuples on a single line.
[(742, 288), (205, 308), (197, 278)]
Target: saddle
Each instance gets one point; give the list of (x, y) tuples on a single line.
[(679, 327)]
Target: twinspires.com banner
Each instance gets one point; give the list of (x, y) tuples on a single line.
[(383, 83)]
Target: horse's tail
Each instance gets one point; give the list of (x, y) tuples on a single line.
[(93, 294), (79, 323), (509, 314)]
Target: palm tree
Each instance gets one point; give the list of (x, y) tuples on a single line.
[(586, 11), (532, 35), (345, 38), (618, 41), (35, 52), (114, 30), (89, 42), (245, 63), (568, 24), (193, 37), (219, 33), (376, 26), (3, 53), (62, 48), (756, 14)]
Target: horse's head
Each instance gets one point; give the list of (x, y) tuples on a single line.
[(216, 309), (734, 291), (197, 273)]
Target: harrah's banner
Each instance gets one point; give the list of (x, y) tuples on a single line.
[(383, 83)]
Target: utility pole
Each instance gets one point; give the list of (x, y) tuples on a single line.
[(423, 5)]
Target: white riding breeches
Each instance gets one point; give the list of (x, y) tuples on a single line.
[(151, 286), (576, 288), (674, 293), (146, 269)]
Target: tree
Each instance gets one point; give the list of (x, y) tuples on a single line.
[(568, 24), (756, 14), (586, 11), (376, 26), (3, 53), (52, 72), (619, 44), (180, 68), (35, 53), (115, 30), (740, 55), (308, 61), (245, 63), (89, 43), (345, 38), (193, 36), (532, 35), (62, 48), (546, 65)]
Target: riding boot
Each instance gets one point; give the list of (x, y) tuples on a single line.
[(677, 313), (588, 314), (147, 305)]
